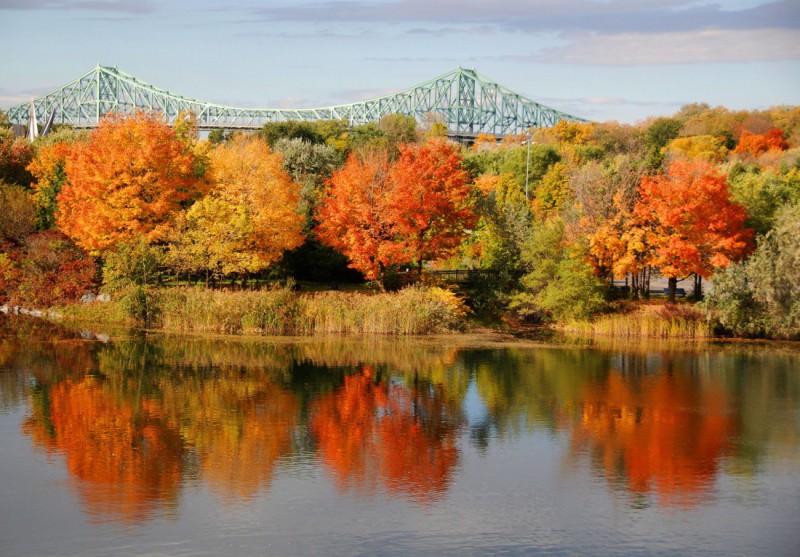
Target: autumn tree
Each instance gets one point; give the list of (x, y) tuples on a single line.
[(755, 144), (47, 269), (15, 156), (706, 147), (430, 200), (18, 213), (49, 174), (356, 215), (129, 179), (695, 226), (250, 216), (553, 191), (483, 141)]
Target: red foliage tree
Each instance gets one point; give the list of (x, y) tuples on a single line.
[(755, 144), (693, 224), (47, 270), (430, 203), (355, 217), (15, 156), (415, 209)]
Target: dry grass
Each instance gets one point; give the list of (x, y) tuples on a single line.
[(281, 311), (647, 321)]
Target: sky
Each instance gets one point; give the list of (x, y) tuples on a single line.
[(622, 60)]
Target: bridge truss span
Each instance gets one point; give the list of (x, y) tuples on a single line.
[(467, 102)]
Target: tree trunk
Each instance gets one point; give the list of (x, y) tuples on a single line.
[(698, 287), (673, 286)]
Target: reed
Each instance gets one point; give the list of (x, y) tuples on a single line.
[(280, 311), (662, 321)]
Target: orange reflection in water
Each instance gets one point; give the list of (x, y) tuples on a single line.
[(121, 458), (664, 434), (373, 434)]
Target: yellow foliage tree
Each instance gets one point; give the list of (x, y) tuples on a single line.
[(249, 218), (551, 194), (706, 147)]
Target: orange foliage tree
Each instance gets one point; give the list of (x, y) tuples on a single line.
[(381, 214), (431, 200), (371, 433), (127, 181), (755, 144), (355, 215), (694, 226)]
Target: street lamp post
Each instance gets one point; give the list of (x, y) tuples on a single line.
[(527, 164)]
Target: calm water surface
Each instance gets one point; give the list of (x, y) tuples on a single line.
[(167, 445)]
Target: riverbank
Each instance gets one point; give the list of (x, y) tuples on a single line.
[(414, 311), (281, 311)]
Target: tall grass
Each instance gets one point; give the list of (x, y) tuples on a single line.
[(663, 321), (281, 311)]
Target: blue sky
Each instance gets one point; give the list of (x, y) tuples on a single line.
[(601, 59)]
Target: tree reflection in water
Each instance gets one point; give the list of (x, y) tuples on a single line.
[(134, 420), (662, 433), (373, 432), (123, 459)]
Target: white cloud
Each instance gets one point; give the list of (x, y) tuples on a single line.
[(126, 6), (713, 45)]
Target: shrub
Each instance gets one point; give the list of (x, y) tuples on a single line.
[(47, 270)]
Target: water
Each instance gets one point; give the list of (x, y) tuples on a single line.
[(171, 445)]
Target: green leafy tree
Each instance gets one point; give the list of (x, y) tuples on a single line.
[(131, 273), (761, 296), (559, 284), (763, 193), (271, 132)]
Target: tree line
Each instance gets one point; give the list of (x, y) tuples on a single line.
[(556, 214)]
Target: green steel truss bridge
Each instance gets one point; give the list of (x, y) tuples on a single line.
[(467, 102)]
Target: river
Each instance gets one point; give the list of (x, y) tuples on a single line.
[(180, 445)]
